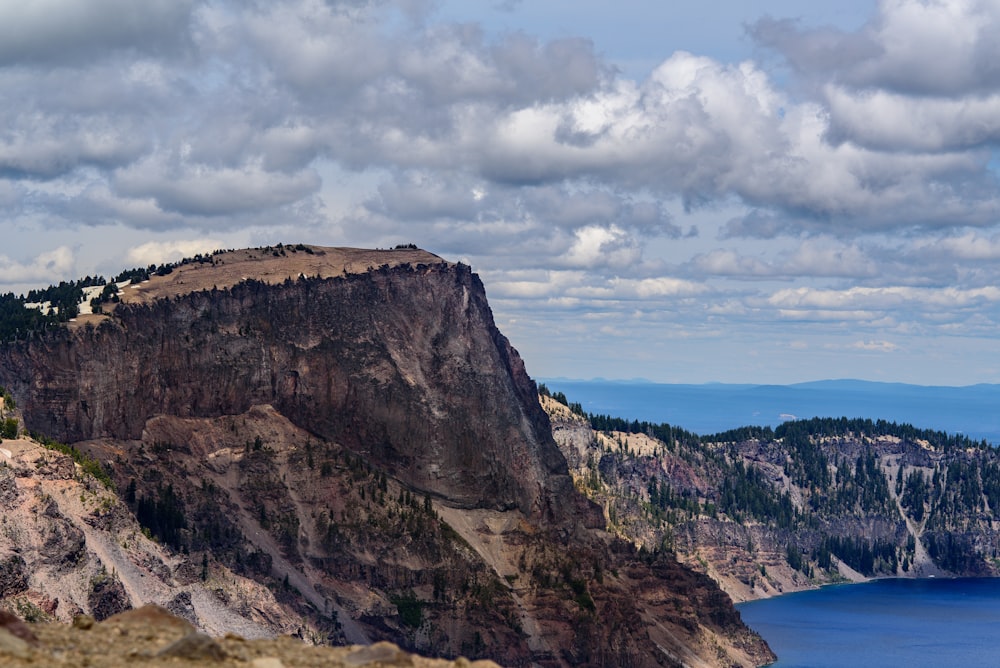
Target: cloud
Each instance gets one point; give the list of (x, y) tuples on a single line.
[(179, 186), (913, 47), (884, 120), (159, 252), (548, 132), (876, 346), (968, 246), (70, 31), (601, 246), (855, 190), (883, 298), (919, 77), (821, 257), (652, 288), (45, 267)]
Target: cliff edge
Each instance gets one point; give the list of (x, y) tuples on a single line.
[(338, 442)]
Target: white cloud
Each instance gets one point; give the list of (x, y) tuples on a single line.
[(967, 246), (64, 31), (203, 190), (852, 191), (601, 246), (883, 298), (652, 288), (876, 346), (46, 267), (160, 252)]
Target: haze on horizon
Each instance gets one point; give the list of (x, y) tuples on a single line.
[(747, 192)]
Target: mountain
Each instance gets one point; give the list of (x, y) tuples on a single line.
[(810, 502), (334, 443)]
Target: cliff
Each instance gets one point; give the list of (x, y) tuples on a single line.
[(402, 365), (348, 435), (812, 502)]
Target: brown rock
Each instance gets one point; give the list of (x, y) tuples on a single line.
[(11, 645), (382, 653), (15, 627), (150, 615), (194, 647), (83, 622)]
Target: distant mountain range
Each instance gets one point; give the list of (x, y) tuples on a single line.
[(972, 410)]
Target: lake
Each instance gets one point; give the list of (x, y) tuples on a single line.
[(715, 407), (911, 623)]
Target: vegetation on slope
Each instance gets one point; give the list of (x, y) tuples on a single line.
[(875, 496)]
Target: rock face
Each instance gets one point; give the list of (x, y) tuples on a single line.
[(403, 366), (339, 445), (813, 502)]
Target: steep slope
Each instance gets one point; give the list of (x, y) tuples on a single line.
[(349, 429), (68, 546), (816, 501), (401, 365)]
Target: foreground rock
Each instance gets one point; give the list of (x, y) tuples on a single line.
[(151, 636)]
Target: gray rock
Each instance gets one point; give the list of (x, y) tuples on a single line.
[(13, 575)]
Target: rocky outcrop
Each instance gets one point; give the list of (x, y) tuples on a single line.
[(403, 366), (347, 455), (765, 512)]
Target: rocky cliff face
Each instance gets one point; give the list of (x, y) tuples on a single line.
[(401, 365), (349, 432), (816, 501)]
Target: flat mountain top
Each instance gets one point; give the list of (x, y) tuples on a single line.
[(271, 265)]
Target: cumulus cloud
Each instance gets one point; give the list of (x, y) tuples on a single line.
[(160, 252), (68, 31), (810, 258), (547, 129), (914, 47), (47, 266), (206, 191), (861, 191), (918, 77), (882, 298)]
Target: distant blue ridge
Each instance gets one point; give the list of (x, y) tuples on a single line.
[(972, 410)]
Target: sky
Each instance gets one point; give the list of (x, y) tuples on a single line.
[(742, 191)]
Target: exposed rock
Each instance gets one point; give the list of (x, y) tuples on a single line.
[(8, 487), (349, 455), (383, 653), (403, 365), (64, 544), (13, 576), (152, 616), (181, 606), (107, 596)]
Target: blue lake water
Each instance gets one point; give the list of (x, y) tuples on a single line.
[(711, 408), (910, 623)]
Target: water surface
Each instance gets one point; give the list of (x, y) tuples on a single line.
[(910, 623), (711, 408)]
